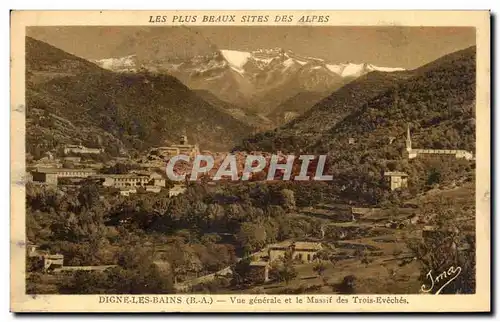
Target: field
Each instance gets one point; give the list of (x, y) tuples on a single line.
[(371, 245)]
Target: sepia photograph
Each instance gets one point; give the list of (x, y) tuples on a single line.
[(299, 158)]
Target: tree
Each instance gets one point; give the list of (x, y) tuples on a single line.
[(215, 212), (319, 268), (348, 285), (119, 168), (134, 257), (285, 271), (88, 195), (441, 251), (252, 236), (433, 177), (147, 279), (288, 199), (241, 272), (450, 243), (183, 259)]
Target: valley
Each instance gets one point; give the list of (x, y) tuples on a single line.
[(104, 217)]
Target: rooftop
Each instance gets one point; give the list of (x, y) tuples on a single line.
[(57, 170), (125, 175), (85, 268), (259, 263), (178, 187), (189, 146), (395, 173), (54, 256), (128, 189), (298, 245)]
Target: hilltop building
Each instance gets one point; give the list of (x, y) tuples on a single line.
[(183, 148), (413, 153)]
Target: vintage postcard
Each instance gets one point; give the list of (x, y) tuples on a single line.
[(250, 161)]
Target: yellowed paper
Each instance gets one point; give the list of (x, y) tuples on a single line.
[(391, 107)]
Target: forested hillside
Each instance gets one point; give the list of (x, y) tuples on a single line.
[(70, 100), (307, 129), (437, 101)]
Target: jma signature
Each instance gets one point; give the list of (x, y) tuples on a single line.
[(448, 276)]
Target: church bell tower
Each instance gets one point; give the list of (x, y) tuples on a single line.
[(408, 139)]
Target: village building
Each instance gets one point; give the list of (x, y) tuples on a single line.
[(396, 179), (176, 190), (47, 163), (126, 191), (154, 189), (52, 261), (156, 178), (168, 151), (302, 251), (73, 159), (413, 153), (132, 180), (31, 249), (124, 180), (43, 260), (69, 269), (49, 155), (183, 148), (80, 149), (51, 175)]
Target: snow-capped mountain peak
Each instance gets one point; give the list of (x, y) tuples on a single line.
[(258, 60), (356, 70), (236, 59), (126, 63)]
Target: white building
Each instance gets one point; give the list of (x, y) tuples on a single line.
[(397, 179), (413, 153)]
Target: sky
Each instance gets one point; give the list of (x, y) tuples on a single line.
[(407, 47)]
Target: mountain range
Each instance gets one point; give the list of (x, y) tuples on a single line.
[(258, 80), (437, 99)]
